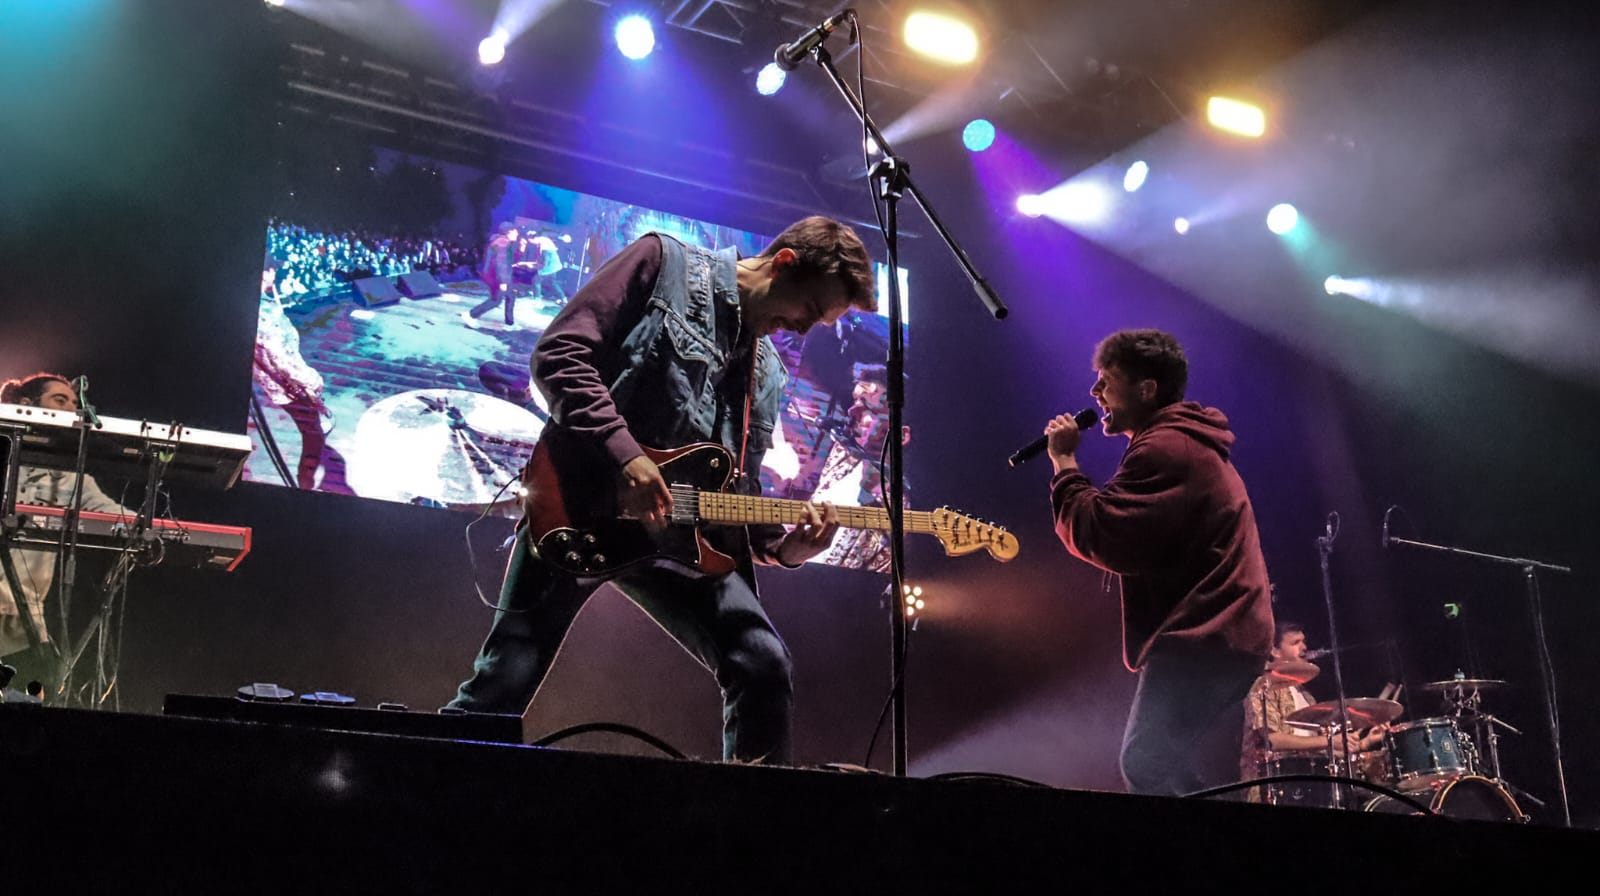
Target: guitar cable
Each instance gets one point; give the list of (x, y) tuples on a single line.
[(472, 555)]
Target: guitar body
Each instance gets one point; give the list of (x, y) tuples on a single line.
[(571, 513)]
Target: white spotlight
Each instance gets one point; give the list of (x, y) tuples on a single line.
[(1181, 225), (770, 79), (1084, 203), (1030, 204), (1363, 288), (636, 37), (1282, 218), (492, 49), (1134, 179)]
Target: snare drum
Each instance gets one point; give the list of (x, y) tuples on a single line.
[(1466, 797), (1298, 793), (1426, 753)]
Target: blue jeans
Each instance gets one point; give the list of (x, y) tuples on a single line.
[(1186, 692), (719, 620)]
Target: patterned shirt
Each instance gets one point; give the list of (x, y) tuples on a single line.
[(36, 570), (1264, 712)]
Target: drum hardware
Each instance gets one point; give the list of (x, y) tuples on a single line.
[(1530, 569), (1492, 738)]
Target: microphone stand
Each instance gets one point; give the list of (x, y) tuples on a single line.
[(1341, 792), (67, 580), (892, 179), (1546, 669)]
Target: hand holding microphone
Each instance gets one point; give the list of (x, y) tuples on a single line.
[(1084, 419)]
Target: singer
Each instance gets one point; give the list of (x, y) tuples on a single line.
[(1176, 526)]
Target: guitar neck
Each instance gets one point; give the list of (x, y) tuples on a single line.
[(730, 509)]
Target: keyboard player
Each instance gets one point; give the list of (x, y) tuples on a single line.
[(36, 568)]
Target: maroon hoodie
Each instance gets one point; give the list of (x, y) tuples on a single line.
[(1176, 525)]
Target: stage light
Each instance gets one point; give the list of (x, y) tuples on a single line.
[(1087, 202), (770, 79), (1362, 288), (492, 49), (913, 599), (978, 135), (941, 37), (1134, 179), (1236, 116), (635, 36), (1181, 225), (275, 2), (1282, 218)]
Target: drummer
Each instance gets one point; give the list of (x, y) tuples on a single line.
[(1278, 692)]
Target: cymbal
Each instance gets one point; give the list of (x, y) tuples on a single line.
[(1289, 673), (1364, 712), (1464, 684), (440, 447)]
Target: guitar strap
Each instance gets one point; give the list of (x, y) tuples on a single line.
[(749, 395)]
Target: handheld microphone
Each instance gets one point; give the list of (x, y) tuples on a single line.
[(1084, 418), (788, 56)]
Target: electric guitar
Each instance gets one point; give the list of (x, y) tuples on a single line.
[(572, 522)]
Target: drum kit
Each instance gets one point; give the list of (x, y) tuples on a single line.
[(1449, 762)]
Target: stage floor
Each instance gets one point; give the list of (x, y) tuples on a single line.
[(109, 801)]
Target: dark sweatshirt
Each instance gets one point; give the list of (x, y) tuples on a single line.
[(1176, 525)]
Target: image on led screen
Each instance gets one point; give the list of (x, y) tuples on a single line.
[(391, 362)]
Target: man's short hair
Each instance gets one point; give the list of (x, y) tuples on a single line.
[(828, 248), (30, 387), (1283, 629), (1147, 355)]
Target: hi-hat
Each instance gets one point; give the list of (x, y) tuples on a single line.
[(1364, 712), (1289, 673), (1465, 684)]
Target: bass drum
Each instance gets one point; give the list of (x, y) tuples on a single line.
[(1468, 796)]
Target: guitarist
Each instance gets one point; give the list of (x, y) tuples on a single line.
[(667, 345)]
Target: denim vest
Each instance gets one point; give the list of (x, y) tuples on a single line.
[(676, 359)]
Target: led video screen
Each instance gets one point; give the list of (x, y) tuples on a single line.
[(391, 362)]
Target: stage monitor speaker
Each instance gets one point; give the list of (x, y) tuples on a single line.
[(372, 292), (419, 285)]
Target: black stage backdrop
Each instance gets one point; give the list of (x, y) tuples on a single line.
[(131, 242)]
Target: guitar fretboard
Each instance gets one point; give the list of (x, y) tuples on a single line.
[(722, 507)]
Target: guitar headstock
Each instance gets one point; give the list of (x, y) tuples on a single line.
[(961, 534)]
